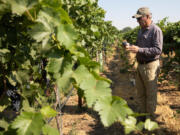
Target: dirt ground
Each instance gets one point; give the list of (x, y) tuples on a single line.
[(86, 122)]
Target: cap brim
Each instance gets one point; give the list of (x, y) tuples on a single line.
[(136, 16)]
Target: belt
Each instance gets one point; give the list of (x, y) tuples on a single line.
[(146, 62)]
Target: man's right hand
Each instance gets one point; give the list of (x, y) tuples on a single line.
[(132, 48)]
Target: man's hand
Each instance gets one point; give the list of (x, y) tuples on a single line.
[(132, 48)]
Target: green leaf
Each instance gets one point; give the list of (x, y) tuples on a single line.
[(4, 8), (47, 130), (54, 65), (52, 3), (4, 52), (5, 102), (2, 107), (48, 112), (111, 109), (20, 76), (20, 6), (26, 107), (150, 125), (95, 90), (98, 77), (51, 15), (42, 30), (64, 16), (28, 123), (67, 35), (81, 73), (130, 124), (92, 1), (140, 126), (94, 28), (108, 111), (4, 124), (88, 62), (64, 82)]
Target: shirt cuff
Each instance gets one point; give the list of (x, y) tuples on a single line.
[(141, 50)]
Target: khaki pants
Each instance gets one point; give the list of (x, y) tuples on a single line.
[(146, 84)]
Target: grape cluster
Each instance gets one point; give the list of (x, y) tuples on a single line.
[(15, 98)]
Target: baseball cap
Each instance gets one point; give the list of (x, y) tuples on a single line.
[(142, 11)]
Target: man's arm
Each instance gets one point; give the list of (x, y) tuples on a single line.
[(157, 43), (152, 51)]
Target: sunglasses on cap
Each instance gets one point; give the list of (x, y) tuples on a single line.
[(138, 19)]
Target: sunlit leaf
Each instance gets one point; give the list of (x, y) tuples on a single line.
[(20, 6), (28, 123), (150, 125), (67, 35), (54, 65), (47, 130), (48, 112)]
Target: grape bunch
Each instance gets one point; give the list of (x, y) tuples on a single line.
[(15, 98)]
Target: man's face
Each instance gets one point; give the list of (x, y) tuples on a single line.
[(143, 21)]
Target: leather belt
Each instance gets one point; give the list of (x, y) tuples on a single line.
[(145, 62)]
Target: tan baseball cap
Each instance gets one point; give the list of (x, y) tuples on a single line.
[(141, 12)]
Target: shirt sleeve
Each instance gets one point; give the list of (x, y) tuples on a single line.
[(157, 43)]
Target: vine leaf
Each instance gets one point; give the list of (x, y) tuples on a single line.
[(67, 35), (64, 16), (4, 124), (112, 109), (94, 28), (4, 51), (93, 89), (41, 31), (54, 65), (28, 123), (81, 73), (20, 6), (64, 82), (48, 112), (150, 125), (130, 124), (47, 130)]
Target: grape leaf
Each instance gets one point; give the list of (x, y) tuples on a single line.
[(130, 124), (42, 30), (95, 90), (150, 125), (4, 51), (4, 124), (47, 111), (47, 130), (67, 35), (112, 109), (20, 6), (94, 28), (81, 73), (54, 65), (65, 81), (28, 123)]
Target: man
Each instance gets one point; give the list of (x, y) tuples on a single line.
[(148, 49)]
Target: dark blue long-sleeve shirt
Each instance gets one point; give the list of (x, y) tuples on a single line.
[(150, 41)]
